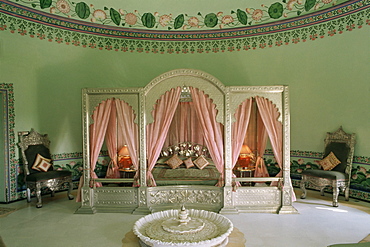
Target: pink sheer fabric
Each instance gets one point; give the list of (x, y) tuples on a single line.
[(97, 133), (213, 134), (111, 141), (239, 130), (269, 115), (127, 134), (183, 124), (261, 170), (163, 113)]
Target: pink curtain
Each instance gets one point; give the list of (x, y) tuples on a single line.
[(111, 142), (269, 115), (163, 113), (261, 170), (128, 134), (213, 134), (183, 124), (97, 132), (239, 130)]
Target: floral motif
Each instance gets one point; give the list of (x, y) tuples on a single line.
[(100, 15), (131, 19), (63, 6), (227, 19), (290, 4), (193, 21), (257, 14), (164, 20)]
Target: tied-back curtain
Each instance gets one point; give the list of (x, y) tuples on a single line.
[(261, 170), (239, 130), (269, 114), (111, 141), (97, 132), (206, 112), (128, 133), (163, 113), (183, 124)]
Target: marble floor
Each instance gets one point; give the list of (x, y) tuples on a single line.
[(318, 224)]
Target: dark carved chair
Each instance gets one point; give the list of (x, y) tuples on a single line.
[(39, 172), (341, 145)]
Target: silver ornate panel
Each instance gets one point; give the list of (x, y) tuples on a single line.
[(257, 196), (198, 197), (108, 196)]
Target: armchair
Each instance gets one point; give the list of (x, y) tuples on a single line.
[(337, 166), (38, 168)]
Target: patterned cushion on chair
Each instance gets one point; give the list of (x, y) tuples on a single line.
[(31, 153), (341, 151), (326, 174), (329, 162)]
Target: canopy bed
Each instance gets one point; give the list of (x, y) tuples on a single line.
[(182, 136)]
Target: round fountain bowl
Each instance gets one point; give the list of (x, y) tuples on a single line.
[(205, 229)]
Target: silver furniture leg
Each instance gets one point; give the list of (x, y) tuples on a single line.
[(303, 188), (38, 195)]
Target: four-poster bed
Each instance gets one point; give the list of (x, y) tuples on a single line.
[(184, 132)]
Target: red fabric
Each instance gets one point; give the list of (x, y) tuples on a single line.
[(163, 113), (213, 134)]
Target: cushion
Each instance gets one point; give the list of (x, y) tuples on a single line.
[(201, 162), (174, 161), (341, 151), (329, 162), (188, 163), (46, 163)]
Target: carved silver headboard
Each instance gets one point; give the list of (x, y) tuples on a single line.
[(188, 149)]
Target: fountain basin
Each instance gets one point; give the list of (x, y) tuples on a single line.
[(202, 229)]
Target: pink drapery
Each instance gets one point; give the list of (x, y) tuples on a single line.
[(128, 133), (183, 124), (157, 131), (111, 142), (261, 170), (239, 130), (206, 112), (269, 115), (97, 132)]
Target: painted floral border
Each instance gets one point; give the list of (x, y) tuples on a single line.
[(27, 22), (117, 16)]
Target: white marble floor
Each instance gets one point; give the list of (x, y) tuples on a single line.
[(317, 224)]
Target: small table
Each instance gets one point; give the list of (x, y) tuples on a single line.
[(245, 173)]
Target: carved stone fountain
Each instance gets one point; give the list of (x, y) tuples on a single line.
[(183, 228)]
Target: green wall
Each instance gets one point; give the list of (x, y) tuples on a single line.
[(328, 80)]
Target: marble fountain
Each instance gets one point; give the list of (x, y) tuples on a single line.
[(183, 228)]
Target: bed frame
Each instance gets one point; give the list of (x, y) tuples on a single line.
[(143, 199)]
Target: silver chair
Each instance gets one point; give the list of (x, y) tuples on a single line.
[(342, 145), (33, 144)]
